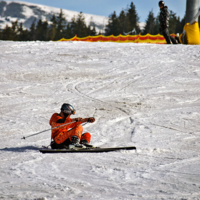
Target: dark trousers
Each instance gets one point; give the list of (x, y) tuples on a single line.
[(60, 146), (169, 39), (166, 35)]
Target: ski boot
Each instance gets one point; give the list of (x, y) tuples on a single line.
[(75, 143), (86, 144)]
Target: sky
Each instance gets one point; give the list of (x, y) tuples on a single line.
[(107, 7)]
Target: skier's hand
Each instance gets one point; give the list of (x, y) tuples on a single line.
[(91, 119)]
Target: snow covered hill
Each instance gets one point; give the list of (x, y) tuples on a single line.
[(142, 95), (28, 12)]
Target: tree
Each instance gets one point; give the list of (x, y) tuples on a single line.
[(42, 31), (14, 28), (123, 22), (113, 25), (68, 33), (60, 26), (126, 22), (32, 33), (182, 24), (172, 22), (150, 24), (52, 29), (133, 18), (80, 28), (7, 33), (179, 27), (23, 34), (92, 31), (157, 25)]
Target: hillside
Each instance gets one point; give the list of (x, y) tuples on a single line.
[(28, 12)]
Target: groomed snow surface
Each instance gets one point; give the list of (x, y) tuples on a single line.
[(142, 95)]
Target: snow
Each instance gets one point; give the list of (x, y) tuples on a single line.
[(143, 95), (28, 12), (68, 14)]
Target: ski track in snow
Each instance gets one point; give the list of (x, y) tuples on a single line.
[(142, 95)]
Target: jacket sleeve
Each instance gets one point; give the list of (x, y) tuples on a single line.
[(57, 121)]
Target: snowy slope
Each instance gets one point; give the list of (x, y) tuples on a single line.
[(145, 95)]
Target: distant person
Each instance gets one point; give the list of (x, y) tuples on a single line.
[(71, 133), (164, 23)]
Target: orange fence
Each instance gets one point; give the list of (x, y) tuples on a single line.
[(155, 39)]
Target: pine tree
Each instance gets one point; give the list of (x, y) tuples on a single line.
[(68, 32), (92, 28), (150, 24), (42, 31), (45, 30), (23, 34), (182, 24), (172, 22), (32, 33), (113, 25), (7, 33), (52, 29), (39, 33), (123, 22), (179, 27), (133, 18), (14, 30), (61, 24), (92, 31), (157, 25), (20, 32), (81, 28)]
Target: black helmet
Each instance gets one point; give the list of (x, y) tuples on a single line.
[(68, 109), (161, 3)]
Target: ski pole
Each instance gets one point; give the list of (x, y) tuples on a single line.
[(46, 130)]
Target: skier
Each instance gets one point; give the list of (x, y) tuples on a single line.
[(164, 23), (71, 134)]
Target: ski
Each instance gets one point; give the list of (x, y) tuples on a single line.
[(86, 150)]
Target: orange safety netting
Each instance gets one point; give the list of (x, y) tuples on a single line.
[(155, 39)]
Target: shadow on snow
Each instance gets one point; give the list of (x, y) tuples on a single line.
[(20, 149)]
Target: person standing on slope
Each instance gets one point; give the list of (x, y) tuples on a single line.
[(63, 135), (164, 23)]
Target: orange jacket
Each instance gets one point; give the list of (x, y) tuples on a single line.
[(53, 122)]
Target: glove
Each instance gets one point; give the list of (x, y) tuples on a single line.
[(91, 119)]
